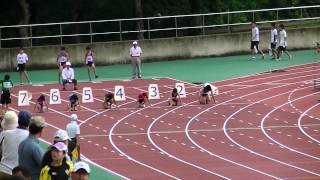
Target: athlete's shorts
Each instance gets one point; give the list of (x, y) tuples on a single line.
[(282, 48), (21, 67), (5, 98), (254, 43), (89, 63), (273, 45)]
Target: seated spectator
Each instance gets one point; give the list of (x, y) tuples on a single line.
[(41, 103), (30, 151), (21, 172), (81, 171), (109, 100), (68, 76), (59, 168), (10, 140), (142, 99), (73, 102), (59, 136), (10, 120), (206, 94), (175, 98)]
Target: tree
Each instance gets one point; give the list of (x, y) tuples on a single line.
[(25, 18), (138, 14)]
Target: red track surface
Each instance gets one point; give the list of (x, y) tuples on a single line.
[(264, 126)]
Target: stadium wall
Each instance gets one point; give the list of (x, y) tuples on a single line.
[(42, 57)]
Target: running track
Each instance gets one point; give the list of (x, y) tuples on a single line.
[(263, 126)]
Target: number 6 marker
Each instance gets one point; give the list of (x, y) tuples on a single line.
[(55, 96)]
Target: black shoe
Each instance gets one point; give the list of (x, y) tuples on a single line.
[(139, 77), (64, 89), (97, 76), (75, 89)]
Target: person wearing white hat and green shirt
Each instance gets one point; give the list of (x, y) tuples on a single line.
[(73, 131), (135, 53), (68, 76), (81, 171)]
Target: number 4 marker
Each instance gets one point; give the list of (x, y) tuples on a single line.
[(119, 94)]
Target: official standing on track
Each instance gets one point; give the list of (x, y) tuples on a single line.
[(22, 59), (135, 53), (73, 131)]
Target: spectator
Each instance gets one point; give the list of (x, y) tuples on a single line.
[(73, 131), (135, 53), (21, 172), (81, 171), (68, 76), (59, 136), (89, 61), (22, 59), (59, 168), (30, 152), (10, 141), (10, 121), (6, 86)]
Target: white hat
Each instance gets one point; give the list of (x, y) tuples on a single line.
[(68, 63), (10, 120), (81, 165), (60, 146), (61, 135), (73, 117), (135, 42)]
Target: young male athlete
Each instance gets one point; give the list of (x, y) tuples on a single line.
[(108, 100), (175, 98), (89, 61)]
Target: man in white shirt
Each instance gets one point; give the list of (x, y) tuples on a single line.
[(22, 59), (73, 131), (135, 53), (68, 76), (255, 40), (283, 43), (273, 40)]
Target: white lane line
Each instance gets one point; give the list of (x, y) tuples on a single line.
[(300, 127), (224, 127), (266, 134)]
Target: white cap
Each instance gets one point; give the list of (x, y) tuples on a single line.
[(61, 135), (81, 165), (73, 117), (135, 42), (68, 63)]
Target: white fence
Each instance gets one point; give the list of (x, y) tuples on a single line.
[(153, 27)]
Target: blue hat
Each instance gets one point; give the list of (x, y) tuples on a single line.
[(24, 118)]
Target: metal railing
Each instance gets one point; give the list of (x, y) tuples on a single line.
[(154, 27)]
